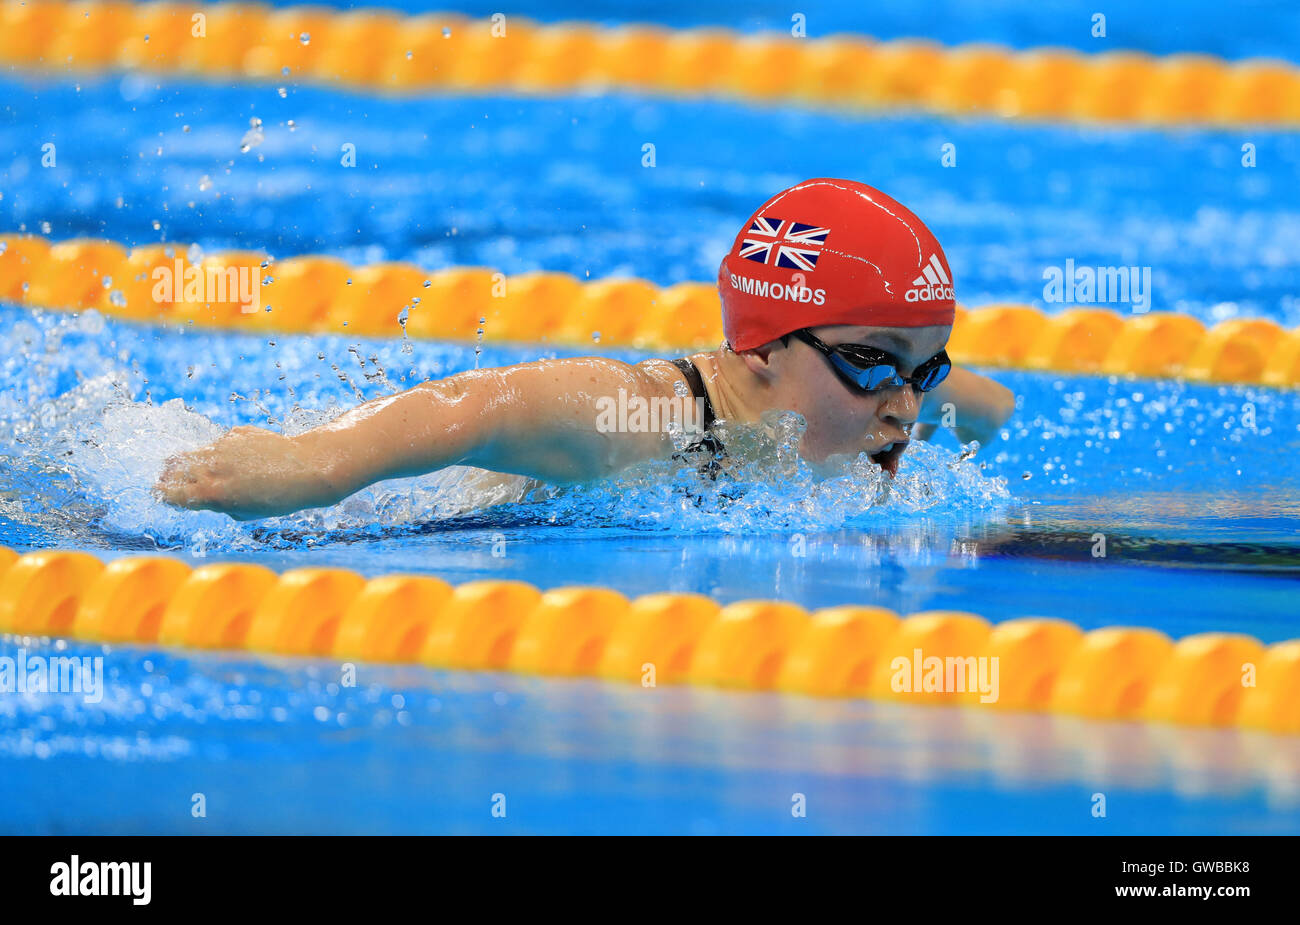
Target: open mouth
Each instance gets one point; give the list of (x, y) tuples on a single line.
[(888, 456)]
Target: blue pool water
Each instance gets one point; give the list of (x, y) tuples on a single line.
[(1195, 487)]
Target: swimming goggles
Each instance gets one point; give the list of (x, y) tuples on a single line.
[(870, 368)]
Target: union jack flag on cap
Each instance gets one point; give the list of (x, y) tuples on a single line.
[(783, 243)]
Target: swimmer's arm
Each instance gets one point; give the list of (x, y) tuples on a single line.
[(538, 420), (979, 407)]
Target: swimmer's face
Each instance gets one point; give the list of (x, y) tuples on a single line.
[(844, 420)]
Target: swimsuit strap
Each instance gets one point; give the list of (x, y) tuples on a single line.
[(696, 382), (709, 443)]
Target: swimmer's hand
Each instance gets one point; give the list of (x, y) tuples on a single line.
[(248, 473), (973, 406)]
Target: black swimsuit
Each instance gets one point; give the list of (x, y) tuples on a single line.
[(708, 443)]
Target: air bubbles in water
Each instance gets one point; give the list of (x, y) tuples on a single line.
[(967, 451), (91, 322), (253, 137)]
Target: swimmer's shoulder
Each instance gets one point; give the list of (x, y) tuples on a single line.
[(584, 374), (666, 376), (671, 371)]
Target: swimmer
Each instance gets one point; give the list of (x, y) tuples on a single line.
[(837, 303)]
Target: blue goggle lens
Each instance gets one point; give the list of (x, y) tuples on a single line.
[(881, 375)]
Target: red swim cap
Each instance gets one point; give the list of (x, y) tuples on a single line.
[(831, 252)]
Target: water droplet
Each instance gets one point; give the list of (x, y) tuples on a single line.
[(282, 91), (292, 125), (285, 70), (91, 322), (408, 56), (446, 32), (427, 284), (185, 128), (253, 137), (595, 337), (205, 183), (156, 224), (107, 282), (117, 298), (305, 38)]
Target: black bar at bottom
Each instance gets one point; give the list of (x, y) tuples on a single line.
[(332, 874)]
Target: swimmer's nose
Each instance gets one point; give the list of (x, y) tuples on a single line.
[(901, 407)]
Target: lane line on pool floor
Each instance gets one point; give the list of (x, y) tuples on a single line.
[(322, 294), (378, 49), (950, 658)]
